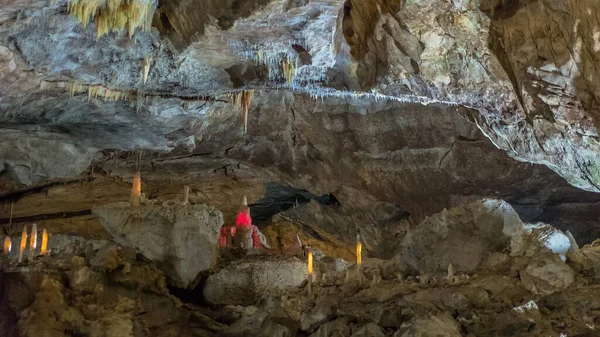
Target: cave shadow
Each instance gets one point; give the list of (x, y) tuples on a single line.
[(279, 198)]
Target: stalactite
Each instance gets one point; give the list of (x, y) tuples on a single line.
[(33, 240), (289, 70), (243, 98), (98, 91), (44, 247), (113, 15), (145, 69)]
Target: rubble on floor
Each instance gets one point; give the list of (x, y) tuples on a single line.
[(511, 284)]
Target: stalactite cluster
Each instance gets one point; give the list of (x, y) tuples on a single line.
[(114, 15), (243, 98), (289, 70), (95, 91)]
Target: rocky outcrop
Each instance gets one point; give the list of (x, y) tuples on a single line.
[(62, 295), (180, 239), (246, 281), (546, 274), (86, 289), (463, 236), (371, 62)]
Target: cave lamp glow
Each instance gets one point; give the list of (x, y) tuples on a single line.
[(33, 240), (23, 243), (7, 245), (44, 247), (136, 189), (358, 251), (310, 271)]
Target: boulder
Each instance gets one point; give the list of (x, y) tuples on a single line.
[(369, 330), (442, 325), (243, 282), (546, 273), (524, 320), (463, 236), (587, 258), (255, 322), (552, 238), (337, 328), (180, 239), (316, 316)]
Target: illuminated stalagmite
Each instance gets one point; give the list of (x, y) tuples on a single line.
[(44, 247), (7, 245), (23, 243), (33, 240), (358, 251), (136, 190)]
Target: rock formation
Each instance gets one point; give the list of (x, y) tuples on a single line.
[(96, 289), (181, 239), (457, 139)]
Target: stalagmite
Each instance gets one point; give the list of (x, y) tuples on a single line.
[(44, 247), (186, 194), (310, 271), (33, 241), (574, 248), (23, 243), (450, 276), (7, 245), (136, 189)]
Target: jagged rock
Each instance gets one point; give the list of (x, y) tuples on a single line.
[(107, 258), (587, 258), (551, 238), (393, 316), (441, 325), (337, 328), (384, 292), (81, 278), (33, 157), (181, 240), (392, 267), (206, 322), (546, 274), (369, 330), (255, 322), (332, 270), (243, 282), (317, 315), (463, 236), (49, 315), (524, 320)]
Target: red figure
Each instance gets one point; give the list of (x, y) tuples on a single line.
[(243, 224)]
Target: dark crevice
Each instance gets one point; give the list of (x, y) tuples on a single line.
[(279, 198), (62, 215), (193, 295), (16, 195)]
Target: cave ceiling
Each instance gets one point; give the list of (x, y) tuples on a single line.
[(393, 107)]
